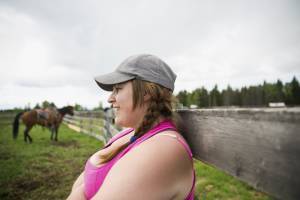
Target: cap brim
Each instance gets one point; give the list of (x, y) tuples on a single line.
[(107, 81)]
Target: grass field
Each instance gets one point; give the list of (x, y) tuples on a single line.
[(47, 170)]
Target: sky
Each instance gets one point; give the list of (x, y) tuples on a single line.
[(52, 50)]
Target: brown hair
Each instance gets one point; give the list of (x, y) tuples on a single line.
[(160, 105)]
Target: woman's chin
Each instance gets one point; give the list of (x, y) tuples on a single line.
[(119, 122)]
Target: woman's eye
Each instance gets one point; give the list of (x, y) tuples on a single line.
[(116, 89)]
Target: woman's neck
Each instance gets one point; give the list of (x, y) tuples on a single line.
[(156, 122)]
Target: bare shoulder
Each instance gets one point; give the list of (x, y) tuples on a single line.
[(172, 149), (162, 150), (172, 139)]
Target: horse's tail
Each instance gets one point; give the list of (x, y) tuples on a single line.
[(16, 125)]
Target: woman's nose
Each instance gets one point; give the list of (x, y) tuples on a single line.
[(111, 98)]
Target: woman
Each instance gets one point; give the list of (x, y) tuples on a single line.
[(150, 160)]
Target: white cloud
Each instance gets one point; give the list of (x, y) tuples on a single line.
[(57, 47), (61, 95)]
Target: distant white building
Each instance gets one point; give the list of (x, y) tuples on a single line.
[(193, 106), (277, 104)]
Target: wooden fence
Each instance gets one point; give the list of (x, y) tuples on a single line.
[(258, 146), (96, 124), (7, 117)]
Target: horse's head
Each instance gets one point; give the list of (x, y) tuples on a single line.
[(66, 110), (70, 110)]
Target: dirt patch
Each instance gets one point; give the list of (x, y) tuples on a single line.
[(21, 186), (47, 154), (18, 188), (26, 185), (5, 156)]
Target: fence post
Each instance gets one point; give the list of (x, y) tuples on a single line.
[(81, 124), (108, 115), (91, 122)]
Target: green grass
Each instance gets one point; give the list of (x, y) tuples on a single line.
[(43, 169), (212, 183), (47, 170)]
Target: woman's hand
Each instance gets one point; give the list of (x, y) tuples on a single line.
[(79, 181), (77, 193)]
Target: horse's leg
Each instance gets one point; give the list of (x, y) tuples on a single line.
[(26, 134), (56, 132), (51, 133), (52, 128), (51, 137)]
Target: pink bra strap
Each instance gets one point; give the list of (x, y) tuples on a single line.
[(166, 125), (160, 127), (118, 136)]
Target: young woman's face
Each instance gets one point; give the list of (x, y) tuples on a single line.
[(121, 100)]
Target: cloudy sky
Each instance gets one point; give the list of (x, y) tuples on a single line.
[(51, 50)]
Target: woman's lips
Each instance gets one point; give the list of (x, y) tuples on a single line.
[(116, 109)]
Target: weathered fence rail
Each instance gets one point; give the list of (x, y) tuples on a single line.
[(258, 146), (96, 124), (6, 117)]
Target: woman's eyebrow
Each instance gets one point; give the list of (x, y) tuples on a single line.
[(119, 84), (116, 85)]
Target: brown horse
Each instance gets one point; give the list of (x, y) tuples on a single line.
[(50, 118)]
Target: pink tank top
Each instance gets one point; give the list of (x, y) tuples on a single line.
[(94, 176)]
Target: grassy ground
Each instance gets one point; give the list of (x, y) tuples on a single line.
[(215, 184), (43, 169), (46, 170)]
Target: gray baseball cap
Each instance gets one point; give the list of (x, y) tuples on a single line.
[(144, 67)]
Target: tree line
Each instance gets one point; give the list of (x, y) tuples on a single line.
[(252, 96), (46, 104), (77, 106)]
